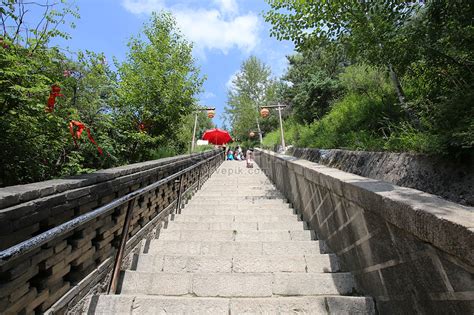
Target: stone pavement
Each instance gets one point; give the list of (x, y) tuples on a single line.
[(236, 248)]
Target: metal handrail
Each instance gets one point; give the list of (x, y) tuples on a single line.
[(49, 235)]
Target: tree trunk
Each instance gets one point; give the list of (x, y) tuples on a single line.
[(401, 96), (397, 85)]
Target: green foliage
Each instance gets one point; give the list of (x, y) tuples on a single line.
[(406, 138), (163, 152), (292, 132), (411, 83), (185, 133), (353, 122), (314, 85), (203, 148), (367, 28), (156, 86), (252, 88)]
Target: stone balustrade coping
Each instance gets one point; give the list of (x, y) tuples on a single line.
[(444, 224), (13, 195)]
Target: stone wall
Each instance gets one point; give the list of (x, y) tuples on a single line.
[(412, 251), (34, 281), (450, 178)]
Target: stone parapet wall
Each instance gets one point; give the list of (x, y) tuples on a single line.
[(34, 281), (27, 210), (412, 251), (451, 178)]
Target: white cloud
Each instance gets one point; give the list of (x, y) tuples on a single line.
[(208, 95), (227, 6), (143, 6), (218, 27), (209, 30)]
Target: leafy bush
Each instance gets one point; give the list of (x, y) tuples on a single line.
[(407, 138), (359, 119), (132, 115), (292, 131)]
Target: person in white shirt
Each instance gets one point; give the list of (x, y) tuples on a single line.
[(249, 158)]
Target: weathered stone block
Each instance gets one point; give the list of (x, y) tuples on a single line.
[(8, 287), (21, 303), (53, 260)]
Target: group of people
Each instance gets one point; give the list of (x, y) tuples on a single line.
[(237, 155)]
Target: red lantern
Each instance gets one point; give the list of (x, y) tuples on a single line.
[(211, 114), (264, 112), (252, 134)]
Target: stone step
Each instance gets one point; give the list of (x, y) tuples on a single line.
[(229, 182), (210, 187), (236, 284), (216, 226), (240, 206), (241, 189), (258, 199), (237, 226), (201, 211), (239, 194), (136, 304), (263, 226), (231, 235), (234, 186), (228, 178), (238, 264), (231, 248), (235, 218), (229, 203)]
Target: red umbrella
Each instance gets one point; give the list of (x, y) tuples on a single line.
[(217, 136)]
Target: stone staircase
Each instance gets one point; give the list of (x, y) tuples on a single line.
[(236, 248)]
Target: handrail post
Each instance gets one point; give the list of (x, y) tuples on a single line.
[(123, 241), (178, 200), (199, 177)]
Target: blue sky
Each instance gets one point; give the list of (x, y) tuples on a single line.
[(224, 33)]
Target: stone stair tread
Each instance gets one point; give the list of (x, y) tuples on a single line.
[(190, 209), (216, 248), (236, 284), (202, 211), (232, 235), (235, 218), (255, 195), (237, 247), (243, 202), (237, 226), (142, 304), (238, 263)]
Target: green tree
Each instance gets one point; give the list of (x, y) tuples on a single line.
[(28, 67), (158, 85), (185, 134), (252, 88), (369, 29), (90, 86), (440, 79), (313, 74)]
